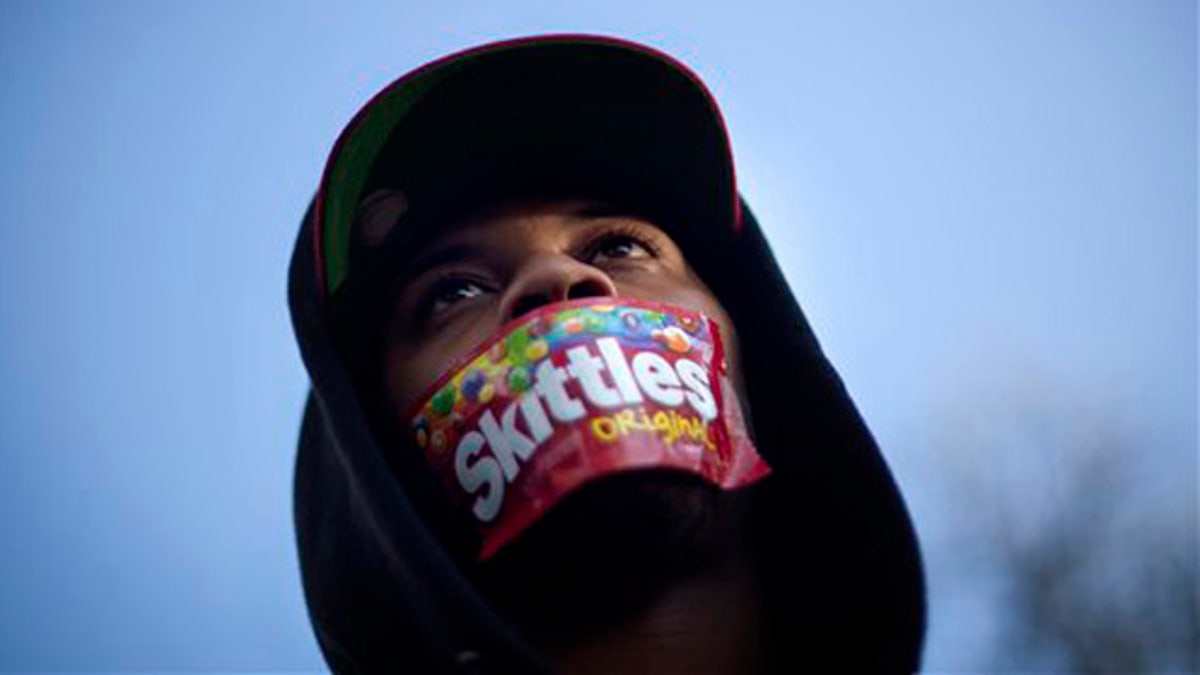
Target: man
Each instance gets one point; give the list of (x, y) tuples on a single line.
[(510, 186)]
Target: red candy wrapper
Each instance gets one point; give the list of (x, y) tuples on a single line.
[(576, 391)]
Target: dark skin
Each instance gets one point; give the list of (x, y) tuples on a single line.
[(496, 265), (647, 572)]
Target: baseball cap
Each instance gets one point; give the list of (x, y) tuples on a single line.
[(582, 114)]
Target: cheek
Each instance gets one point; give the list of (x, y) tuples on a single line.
[(403, 375), (410, 376), (729, 338), (411, 370)]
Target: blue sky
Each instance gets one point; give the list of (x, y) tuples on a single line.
[(970, 199)]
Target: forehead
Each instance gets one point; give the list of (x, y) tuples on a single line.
[(516, 222), (532, 213)]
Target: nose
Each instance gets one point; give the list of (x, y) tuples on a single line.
[(553, 278)]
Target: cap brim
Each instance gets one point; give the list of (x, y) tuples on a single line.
[(589, 115)]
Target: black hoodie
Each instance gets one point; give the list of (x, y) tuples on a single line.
[(841, 565)]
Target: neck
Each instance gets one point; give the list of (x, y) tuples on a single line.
[(707, 623), (638, 573)]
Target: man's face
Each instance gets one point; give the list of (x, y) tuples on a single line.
[(610, 545), (496, 265)]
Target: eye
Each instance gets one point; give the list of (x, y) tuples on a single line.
[(620, 245), (446, 293)]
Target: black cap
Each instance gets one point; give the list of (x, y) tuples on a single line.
[(586, 115)]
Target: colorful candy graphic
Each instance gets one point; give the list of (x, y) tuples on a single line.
[(537, 350), (437, 442), (593, 323), (542, 325), (579, 390), (516, 344), (632, 321), (472, 384), (497, 352), (443, 401), (674, 339), (519, 379)]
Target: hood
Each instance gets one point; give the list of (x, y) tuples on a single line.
[(383, 594), (839, 557)]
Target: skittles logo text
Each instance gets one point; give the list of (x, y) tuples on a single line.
[(608, 372)]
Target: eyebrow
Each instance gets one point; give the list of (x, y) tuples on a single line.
[(598, 210), (454, 253), (439, 256)]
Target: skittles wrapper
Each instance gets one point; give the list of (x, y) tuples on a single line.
[(577, 391)]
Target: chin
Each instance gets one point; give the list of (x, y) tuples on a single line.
[(609, 549)]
